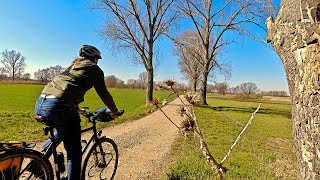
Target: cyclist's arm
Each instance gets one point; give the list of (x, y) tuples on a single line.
[(101, 89)]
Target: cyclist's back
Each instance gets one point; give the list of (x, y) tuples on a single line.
[(58, 102), (72, 84)]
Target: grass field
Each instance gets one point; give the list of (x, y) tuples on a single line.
[(265, 150), (17, 105)]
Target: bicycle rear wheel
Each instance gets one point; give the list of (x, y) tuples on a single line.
[(23, 164), (101, 160)]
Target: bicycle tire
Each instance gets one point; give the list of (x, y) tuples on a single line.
[(32, 165), (93, 166)]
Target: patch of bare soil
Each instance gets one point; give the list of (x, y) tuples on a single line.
[(144, 144)]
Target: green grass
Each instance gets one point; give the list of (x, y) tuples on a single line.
[(265, 150), (17, 105)]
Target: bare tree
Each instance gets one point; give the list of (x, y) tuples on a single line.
[(3, 73), (234, 90), (295, 36), (213, 20), (222, 87), (42, 74), (132, 83), (248, 88), (54, 71), (187, 47), (47, 74), (14, 63), (143, 80), (113, 82), (135, 26), (26, 76)]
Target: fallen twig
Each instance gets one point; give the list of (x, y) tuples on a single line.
[(190, 124), (236, 141)]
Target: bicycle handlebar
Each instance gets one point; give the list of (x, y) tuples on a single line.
[(102, 114)]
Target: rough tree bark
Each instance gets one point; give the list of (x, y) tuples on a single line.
[(149, 88), (204, 84), (295, 36)]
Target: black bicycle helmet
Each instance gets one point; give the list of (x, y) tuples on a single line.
[(89, 51)]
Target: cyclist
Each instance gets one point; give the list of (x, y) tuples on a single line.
[(58, 102)]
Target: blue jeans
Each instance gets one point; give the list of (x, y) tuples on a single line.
[(66, 121)]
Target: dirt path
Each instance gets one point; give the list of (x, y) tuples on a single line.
[(145, 144)]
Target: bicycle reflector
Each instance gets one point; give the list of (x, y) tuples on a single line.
[(38, 118), (43, 120)]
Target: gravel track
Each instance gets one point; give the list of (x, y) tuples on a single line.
[(144, 144)]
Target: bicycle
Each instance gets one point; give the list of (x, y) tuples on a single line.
[(20, 161), (15, 162)]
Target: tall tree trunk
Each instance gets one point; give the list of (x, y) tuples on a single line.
[(193, 85), (295, 36), (150, 71), (13, 74), (203, 88), (149, 89)]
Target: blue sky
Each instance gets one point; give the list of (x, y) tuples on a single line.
[(49, 33)]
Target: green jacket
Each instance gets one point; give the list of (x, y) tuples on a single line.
[(72, 84)]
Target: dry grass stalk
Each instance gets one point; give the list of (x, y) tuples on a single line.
[(169, 83), (189, 123), (162, 86), (164, 102), (155, 101), (181, 111), (192, 98), (218, 168), (236, 141)]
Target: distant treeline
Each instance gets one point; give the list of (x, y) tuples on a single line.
[(44, 76), (249, 90)]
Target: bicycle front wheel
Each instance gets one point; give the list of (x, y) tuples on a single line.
[(101, 161), (23, 164)]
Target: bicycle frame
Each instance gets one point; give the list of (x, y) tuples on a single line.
[(56, 141)]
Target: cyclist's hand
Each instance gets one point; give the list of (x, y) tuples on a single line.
[(82, 111), (116, 114)]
